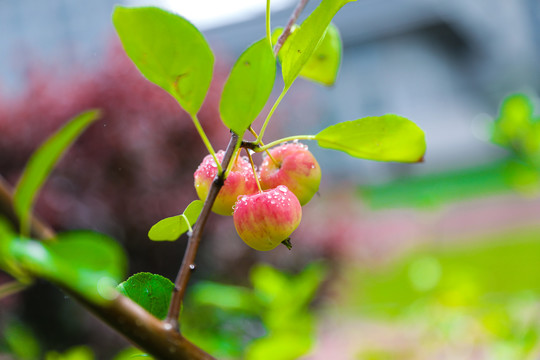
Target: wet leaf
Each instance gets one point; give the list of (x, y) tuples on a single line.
[(150, 291), (248, 87), (381, 138), (169, 51)]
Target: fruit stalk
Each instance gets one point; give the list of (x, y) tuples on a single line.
[(188, 262)]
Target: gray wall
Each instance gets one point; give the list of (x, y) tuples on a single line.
[(443, 64)]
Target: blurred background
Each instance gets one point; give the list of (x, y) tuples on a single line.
[(436, 260)]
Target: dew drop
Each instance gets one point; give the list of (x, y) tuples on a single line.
[(282, 188)]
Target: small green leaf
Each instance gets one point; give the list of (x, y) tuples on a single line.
[(21, 341), (193, 210), (89, 263), (301, 44), (150, 291), (169, 51), (170, 229), (381, 138), (131, 354), (514, 122), (248, 87), (42, 162), (7, 261)]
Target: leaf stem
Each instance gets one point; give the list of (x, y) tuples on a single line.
[(262, 144), (279, 141), (270, 113), (235, 155), (268, 28), (206, 141), (292, 20), (188, 262), (190, 229), (254, 170)]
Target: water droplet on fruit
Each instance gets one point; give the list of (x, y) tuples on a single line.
[(282, 188), (295, 141)]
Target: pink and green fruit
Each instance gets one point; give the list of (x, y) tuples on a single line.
[(294, 167), (240, 181), (266, 219)]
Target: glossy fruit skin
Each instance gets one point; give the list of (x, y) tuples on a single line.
[(240, 181), (296, 168), (265, 219)]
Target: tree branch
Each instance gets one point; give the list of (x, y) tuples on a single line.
[(144, 330), (188, 263), (292, 20)]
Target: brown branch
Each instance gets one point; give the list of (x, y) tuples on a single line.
[(292, 20), (155, 337), (188, 263)]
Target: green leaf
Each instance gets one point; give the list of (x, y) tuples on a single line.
[(21, 341), (170, 229), (248, 87), (42, 162), (88, 263), (169, 51), (151, 291), (226, 297), (301, 44), (323, 65), (75, 353), (269, 284), (280, 346), (381, 138)]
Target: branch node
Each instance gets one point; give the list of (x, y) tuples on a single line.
[(252, 145)]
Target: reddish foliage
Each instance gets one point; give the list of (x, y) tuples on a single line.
[(131, 168)]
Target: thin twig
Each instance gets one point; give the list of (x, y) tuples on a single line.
[(292, 20), (11, 288), (38, 228), (188, 263), (262, 144)]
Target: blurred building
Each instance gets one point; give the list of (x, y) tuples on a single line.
[(442, 64)]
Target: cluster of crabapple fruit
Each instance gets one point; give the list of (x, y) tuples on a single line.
[(266, 205)]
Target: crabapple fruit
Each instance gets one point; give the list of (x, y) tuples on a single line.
[(294, 167), (240, 181), (266, 219)]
